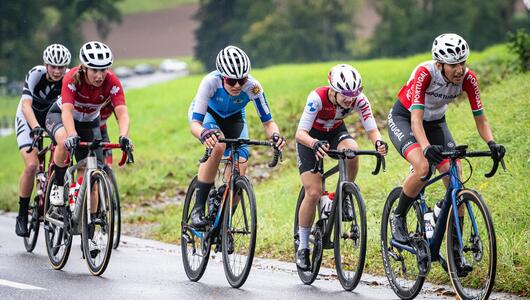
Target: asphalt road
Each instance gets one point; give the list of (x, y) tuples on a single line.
[(145, 269)]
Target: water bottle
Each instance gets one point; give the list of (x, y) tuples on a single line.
[(214, 199), (437, 209), (40, 179), (74, 192), (325, 204), (428, 217)]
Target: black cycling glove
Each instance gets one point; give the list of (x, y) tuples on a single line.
[(433, 153), (125, 143), (72, 142), (319, 145), (277, 139), (497, 150), (36, 131), (378, 143)]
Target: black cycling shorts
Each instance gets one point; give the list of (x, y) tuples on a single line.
[(305, 157), (400, 131)]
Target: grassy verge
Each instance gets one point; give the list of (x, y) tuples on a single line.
[(129, 7)]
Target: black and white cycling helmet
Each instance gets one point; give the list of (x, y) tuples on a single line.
[(233, 62), (95, 55), (449, 48), (56, 55), (346, 80)]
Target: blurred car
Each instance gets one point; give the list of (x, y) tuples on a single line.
[(123, 72), (143, 69), (173, 66)]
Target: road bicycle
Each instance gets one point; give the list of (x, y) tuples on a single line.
[(36, 209), (96, 225), (464, 220), (344, 232), (231, 210)]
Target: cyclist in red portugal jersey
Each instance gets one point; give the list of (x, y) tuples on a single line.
[(322, 128), (76, 117), (41, 89), (417, 126)]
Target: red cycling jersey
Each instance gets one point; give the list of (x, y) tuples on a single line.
[(88, 99)]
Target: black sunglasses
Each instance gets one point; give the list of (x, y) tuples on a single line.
[(232, 81)]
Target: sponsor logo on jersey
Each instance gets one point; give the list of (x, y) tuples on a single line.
[(418, 86), (256, 90), (72, 87), (311, 107), (237, 100), (393, 127), (114, 90)]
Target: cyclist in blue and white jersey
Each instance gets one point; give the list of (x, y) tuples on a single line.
[(219, 110), (41, 89)]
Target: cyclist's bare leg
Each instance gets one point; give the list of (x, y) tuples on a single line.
[(413, 184), (352, 164), (60, 151), (27, 178), (208, 169), (313, 190)]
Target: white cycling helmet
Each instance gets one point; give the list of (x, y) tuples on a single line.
[(346, 80), (95, 55), (56, 55), (449, 48), (233, 62)]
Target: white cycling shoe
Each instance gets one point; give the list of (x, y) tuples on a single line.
[(56, 195)]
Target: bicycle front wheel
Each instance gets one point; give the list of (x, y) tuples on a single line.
[(401, 266), (479, 249), (350, 238), (115, 200), (58, 239), (194, 243), (96, 235), (239, 233), (33, 225)]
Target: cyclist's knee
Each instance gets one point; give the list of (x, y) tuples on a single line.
[(31, 168), (313, 193)]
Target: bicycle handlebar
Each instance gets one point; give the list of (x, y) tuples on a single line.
[(349, 154), (460, 152), (243, 141), (126, 157)]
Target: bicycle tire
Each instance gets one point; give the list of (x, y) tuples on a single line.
[(97, 248), (478, 284), (233, 232), (390, 254), (115, 199), (315, 245), (58, 240), (30, 241), (194, 263), (355, 233)]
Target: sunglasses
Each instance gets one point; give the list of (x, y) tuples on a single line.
[(232, 81), (353, 94)]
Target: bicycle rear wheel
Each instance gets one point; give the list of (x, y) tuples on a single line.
[(58, 239), (33, 225), (350, 240), (315, 245), (479, 247), (194, 244), (96, 236), (401, 266), (115, 200), (239, 233)]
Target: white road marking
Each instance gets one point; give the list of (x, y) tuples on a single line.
[(19, 285)]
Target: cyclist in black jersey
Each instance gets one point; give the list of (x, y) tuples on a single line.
[(41, 88)]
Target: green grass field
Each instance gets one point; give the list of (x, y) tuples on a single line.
[(128, 7), (166, 157)]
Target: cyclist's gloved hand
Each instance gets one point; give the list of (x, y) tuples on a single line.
[(36, 131), (433, 153), (279, 141), (381, 147), (319, 148), (497, 150), (72, 142), (125, 143), (206, 134)]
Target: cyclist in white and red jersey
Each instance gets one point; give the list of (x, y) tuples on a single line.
[(321, 128), (416, 123), (41, 89), (219, 110), (85, 90)]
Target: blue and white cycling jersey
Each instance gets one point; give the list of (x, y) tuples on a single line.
[(211, 94)]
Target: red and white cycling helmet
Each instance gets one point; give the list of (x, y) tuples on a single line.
[(233, 62), (56, 55), (95, 55), (346, 80), (449, 48)]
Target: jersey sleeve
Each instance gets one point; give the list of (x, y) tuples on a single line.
[(68, 88), (32, 78), (312, 107), (470, 86), (363, 107), (260, 102), (422, 79), (205, 92), (116, 91)]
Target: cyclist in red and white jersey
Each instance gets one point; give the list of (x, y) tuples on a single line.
[(322, 127), (416, 123), (85, 90), (41, 88)]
